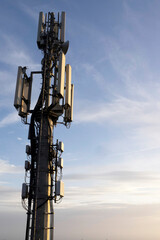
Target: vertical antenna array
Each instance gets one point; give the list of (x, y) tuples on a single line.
[(44, 164)]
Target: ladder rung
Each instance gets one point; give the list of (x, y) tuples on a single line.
[(49, 228), (49, 213)]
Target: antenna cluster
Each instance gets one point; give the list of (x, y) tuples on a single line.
[(59, 92), (57, 186), (43, 167)]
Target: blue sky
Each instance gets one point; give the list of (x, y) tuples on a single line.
[(112, 150)]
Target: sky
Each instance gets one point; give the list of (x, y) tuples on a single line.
[(112, 149)]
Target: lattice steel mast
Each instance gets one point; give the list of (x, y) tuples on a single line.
[(44, 164)]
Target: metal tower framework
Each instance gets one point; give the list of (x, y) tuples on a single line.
[(43, 167)]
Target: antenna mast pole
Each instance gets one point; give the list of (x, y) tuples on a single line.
[(44, 163)]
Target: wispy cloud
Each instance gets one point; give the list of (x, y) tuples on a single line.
[(112, 192), (112, 221), (122, 176), (7, 168), (9, 119), (120, 111), (14, 52), (19, 139), (31, 12), (7, 83), (126, 182), (102, 82), (10, 199)]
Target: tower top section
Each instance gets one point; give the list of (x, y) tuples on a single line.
[(51, 32)]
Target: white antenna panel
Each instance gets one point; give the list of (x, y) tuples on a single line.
[(63, 23), (60, 163), (72, 97), (56, 29), (61, 146), (68, 85), (60, 188), (24, 103), (40, 28), (19, 85), (61, 75), (69, 111)]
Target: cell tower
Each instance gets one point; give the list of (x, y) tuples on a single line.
[(44, 163)]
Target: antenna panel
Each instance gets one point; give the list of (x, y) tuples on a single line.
[(68, 85), (19, 85), (24, 190), (63, 23), (56, 29), (61, 75), (28, 150), (25, 94), (72, 98), (60, 162), (68, 117), (40, 29), (61, 146), (60, 188), (27, 165)]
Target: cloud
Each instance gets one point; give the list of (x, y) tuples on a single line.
[(19, 139), (122, 176), (115, 182), (9, 195), (119, 111), (7, 168), (134, 176), (121, 222), (31, 12), (130, 88), (14, 52), (9, 119), (132, 78), (100, 79), (16, 227), (7, 83)]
